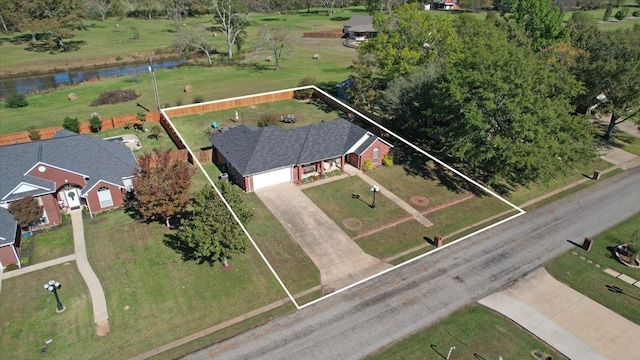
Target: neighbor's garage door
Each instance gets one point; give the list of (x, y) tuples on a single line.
[(271, 178)]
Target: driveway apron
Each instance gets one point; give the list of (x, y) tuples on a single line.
[(340, 261)]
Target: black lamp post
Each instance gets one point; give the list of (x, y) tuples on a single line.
[(54, 286), (374, 189)]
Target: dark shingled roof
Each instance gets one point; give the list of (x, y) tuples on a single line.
[(8, 226), (360, 23), (90, 156), (253, 151)]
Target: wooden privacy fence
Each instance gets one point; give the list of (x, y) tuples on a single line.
[(85, 128), (229, 103)]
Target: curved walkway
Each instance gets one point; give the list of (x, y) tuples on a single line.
[(573, 324), (99, 302)]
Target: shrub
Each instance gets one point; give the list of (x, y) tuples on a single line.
[(635, 14), (142, 117), (16, 101), (198, 99), (95, 122), (115, 97), (11, 267), (387, 160), (71, 124), (24, 261), (34, 134), (622, 14), (607, 13), (367, 165), (267, 119), (156, 130), (307, 93)]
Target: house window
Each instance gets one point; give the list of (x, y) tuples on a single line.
[(104, 195), (376, 155)]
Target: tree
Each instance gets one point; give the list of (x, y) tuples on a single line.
[(161, 186), (26, 211), (49, 17), (188, 40), (583, 30), (98, 7), (407, 40), (71, 124), (210, 230), (499, 112), (611, 72), (229, 15), (541, 21), (275, 41)]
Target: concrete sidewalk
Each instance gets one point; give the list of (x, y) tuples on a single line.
[(99, 302), (39, 266), (573, 324)]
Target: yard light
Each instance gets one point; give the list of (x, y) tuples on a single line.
[(374, 189), (54, 286), (450, 350)]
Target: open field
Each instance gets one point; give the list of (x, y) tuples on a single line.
[(593, 281), (476, 332)]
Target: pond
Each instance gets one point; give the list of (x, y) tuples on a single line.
[(38, 83)]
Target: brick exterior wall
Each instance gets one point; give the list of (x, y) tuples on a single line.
[(94, 202), (59, 176), (51, 206), (7, 256), (368, 153)]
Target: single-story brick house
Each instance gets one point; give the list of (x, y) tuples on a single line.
[(256, 158), (9, 239), (68, 171)]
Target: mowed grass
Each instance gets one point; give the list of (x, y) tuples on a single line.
[(195, 129), (52, 243), (334, 198), (476, 332), (592, 281), (153, 296), (252, 75)]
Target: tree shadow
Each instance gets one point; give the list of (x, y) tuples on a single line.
[(177, 244), (254, 67)]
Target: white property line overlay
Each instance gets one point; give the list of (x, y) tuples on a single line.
[(299, 307)]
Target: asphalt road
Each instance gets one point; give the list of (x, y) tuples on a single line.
[(386, 309)]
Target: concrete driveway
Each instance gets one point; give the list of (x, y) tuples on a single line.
[(340, 260)]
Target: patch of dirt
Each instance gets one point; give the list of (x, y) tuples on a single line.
[(352, 223), (420, 200)]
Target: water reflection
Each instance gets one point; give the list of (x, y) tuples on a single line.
[(30, 84)]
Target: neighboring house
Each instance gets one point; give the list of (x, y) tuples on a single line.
[(256, 158), (359, 28), (68, 171), (443, 5), (9, 239)]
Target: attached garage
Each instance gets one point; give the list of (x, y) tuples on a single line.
[(272, 178)]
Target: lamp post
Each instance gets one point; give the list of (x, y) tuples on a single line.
[(54, 286), (450, 350), (374, 189)]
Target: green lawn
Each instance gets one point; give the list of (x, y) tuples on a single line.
[(592, 281), (394, 240), (476, 332), (52, 244), (334, 198), (195, 128)]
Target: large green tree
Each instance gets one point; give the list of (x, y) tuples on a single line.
[(611, 73), (161, 186), (540, 20), (499, 111), (210, 232)]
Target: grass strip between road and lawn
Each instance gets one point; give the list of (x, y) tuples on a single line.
[(590, 280), (476, 332)]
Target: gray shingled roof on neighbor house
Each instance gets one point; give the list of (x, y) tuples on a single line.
[(83, 154), (8, 226), (360, 23), (255, 150)]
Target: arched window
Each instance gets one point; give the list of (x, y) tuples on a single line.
[(104, 195), (376, 156)]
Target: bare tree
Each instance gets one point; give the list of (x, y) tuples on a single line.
[(276, 41), (232, 20), (98, 7), (187, 40)]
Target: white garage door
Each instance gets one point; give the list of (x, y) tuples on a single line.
[(271, 178)]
